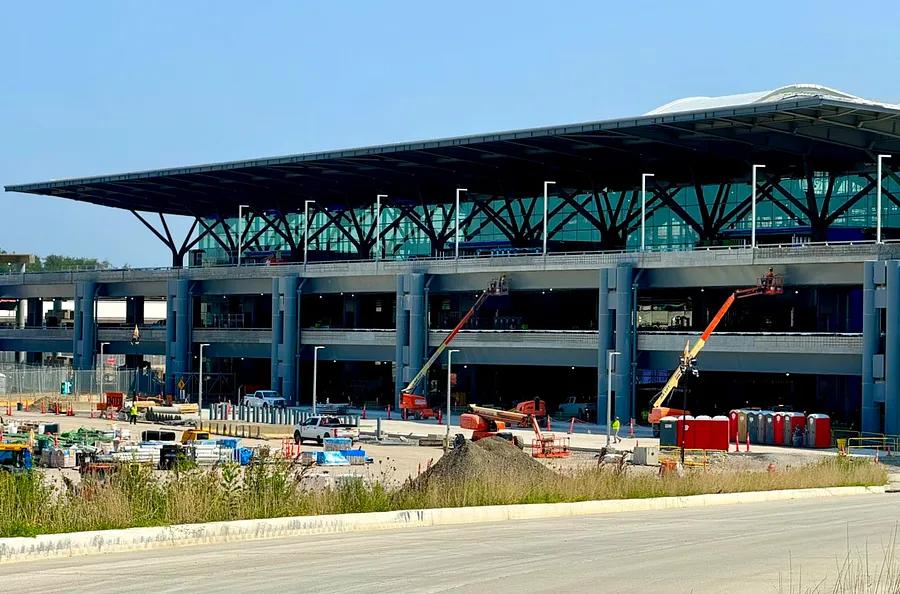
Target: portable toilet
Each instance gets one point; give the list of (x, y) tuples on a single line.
[(818, 431), (768, 422), (699, 436), (752, 424), (761, 426), (733, 425), (792, 420), (684, 427), (668, 432), (778, 428)]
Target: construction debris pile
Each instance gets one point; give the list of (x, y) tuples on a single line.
[(483, 460)]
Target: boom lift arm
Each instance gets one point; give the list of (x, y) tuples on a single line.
[(497, 287), (770, 284)]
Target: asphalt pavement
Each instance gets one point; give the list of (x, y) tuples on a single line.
[(768, 547)]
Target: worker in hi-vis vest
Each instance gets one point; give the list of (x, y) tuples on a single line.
[(616, 425)]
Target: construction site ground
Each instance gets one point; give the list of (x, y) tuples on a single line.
[(398, 457)]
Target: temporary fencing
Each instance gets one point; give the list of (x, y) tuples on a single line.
[(224, 411)]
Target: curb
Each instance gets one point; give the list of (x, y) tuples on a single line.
[(50, 546)]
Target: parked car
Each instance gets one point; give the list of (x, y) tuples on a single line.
[(320, 427), (583, 411), (265, 399)]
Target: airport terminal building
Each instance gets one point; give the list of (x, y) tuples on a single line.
[(618, 236)]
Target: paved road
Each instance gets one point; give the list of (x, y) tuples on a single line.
[(734, 548)]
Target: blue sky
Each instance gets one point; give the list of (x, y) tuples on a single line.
[(104, 87)]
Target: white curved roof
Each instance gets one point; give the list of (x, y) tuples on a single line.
[(780, 94)]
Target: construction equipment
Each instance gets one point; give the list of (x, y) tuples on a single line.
[(15, 457), (192, 435), (488, 422), (769, 284), (411, 403)]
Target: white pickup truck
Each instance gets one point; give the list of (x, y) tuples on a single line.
[(265, 399), (320, 427)]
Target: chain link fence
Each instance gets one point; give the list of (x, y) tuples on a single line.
[(33, 383)]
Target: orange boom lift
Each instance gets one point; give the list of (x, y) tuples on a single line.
[(770, 284), (416, 405)]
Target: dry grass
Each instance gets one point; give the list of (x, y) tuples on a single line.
[(272, 488)]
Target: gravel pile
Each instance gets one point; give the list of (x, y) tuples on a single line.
[(483, 460)]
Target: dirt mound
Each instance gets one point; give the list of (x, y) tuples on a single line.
[(484, 460)]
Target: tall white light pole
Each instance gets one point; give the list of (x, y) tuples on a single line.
[(449, 363), (200, 384), (753, 207), (315, 374), (609, 372), (102, 366), (240, 232), (378, 225), (456, 232), (306, 204), (878, 200), (547, 184), (644, 177)]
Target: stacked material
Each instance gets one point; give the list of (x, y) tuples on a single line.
[(208, 453), (337, 444), (60, 458), (145, 452)]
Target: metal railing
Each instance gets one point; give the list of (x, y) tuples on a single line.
[(764, 252)]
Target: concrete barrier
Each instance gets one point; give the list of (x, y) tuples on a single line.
[(73, 544)]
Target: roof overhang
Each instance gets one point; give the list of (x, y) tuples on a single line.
[(698, 146)]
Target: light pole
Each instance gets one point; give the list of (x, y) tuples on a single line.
[(456, 232), (102, 366), (547, 184), (449, 363), (609, 371), (644, 177), (315, 375), (306, 204), (878, 200), (240, 233), (200, 385), (378, 225), (753, 206)]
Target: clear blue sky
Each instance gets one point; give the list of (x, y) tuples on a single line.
[(102, 87)]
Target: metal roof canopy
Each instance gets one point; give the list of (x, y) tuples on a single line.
[(707, 146)]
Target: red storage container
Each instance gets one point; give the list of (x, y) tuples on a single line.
[(778, 421), (688, 435), (705, 433)]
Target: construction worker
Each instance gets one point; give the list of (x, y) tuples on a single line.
[(132, 413), (770, 278), (616, 426)]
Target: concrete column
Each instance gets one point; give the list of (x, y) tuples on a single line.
[(178, 332), (418, 338), (134, 311), (277, 325), (604, 332), (892, 351), (869, 419), (622, 380), (33, 319), (287, 350), (84, 335), (402, 347), (20, 323)]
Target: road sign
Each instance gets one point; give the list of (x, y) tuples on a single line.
[(181, 383)]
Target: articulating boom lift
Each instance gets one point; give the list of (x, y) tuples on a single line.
[(416, 405), (770, 284)]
